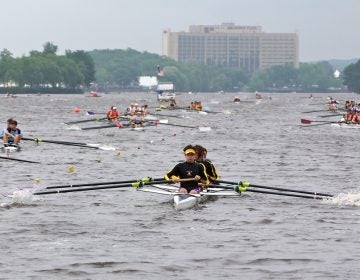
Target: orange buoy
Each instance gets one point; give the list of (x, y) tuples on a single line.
[(77, 110)]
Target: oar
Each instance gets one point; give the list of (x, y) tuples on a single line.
[(315, 111), (210, 112), (165, 115), (84, 121), (90, 113), (273, 188), (105, 126), (93, 113), (171, 108), (241, 190), (305, 121), (137, 184), (226, 112), (201, 128), (76, 144), (127, 125), (316, 104), (147, 179), (328, 116), (20, 160)]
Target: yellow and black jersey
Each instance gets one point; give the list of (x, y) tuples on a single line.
[(210, 170), (186, 170)]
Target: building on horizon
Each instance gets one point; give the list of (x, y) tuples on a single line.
[(245, 47)]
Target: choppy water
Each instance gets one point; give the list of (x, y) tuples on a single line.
[(125, 234)]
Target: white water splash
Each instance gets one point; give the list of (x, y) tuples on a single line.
[(23, 197), (349, 199)]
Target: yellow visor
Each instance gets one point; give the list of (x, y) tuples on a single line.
[(188, 151)]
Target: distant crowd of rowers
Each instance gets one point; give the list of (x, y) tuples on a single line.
[(352, 114), (194, 105), (135, 113)]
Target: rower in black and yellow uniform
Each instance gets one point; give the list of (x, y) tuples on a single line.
[(189, 169), (210, 168)]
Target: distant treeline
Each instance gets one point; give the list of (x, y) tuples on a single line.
[(45, 71), (309, 77), (123, 67), (120, 69)]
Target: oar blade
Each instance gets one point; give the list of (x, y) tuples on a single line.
[(305, 121), (107, 148), (73, 127), (204, 128), (93, 145)]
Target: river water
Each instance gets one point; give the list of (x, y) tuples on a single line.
[(126, 234)]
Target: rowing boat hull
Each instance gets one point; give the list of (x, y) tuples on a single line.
[(140, 128), (187, 201), (10, 149)]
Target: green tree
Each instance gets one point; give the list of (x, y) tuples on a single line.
[(31, 72), (316, 76), (259, 81), (175, 75), (351, 76), (49, 49), (85, 64), (8, 67)]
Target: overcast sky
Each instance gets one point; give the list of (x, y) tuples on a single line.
[(327, 28)]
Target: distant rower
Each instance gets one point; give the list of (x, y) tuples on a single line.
[(113, 115), (11, 135), (130, 111), (137, 120)]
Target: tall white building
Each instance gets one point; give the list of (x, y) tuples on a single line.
[(246, 47)]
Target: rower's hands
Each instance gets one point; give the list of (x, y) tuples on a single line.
[(175, 179), (197, 178)]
